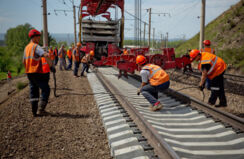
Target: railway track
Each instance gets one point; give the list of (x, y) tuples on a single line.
[(184, 128)]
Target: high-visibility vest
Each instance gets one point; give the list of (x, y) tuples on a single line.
[(86, 58), (32, 64), (76, 55), (69, 54), (45, 66), (208, 49), (62, 53), (56, 52), (51, 54), (218, 66), (157, 74)]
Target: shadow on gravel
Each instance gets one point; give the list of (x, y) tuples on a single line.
[(66, 115)]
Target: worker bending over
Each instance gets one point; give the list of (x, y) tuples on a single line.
[(86, 61), (213, 68), (37, 67), (207, 47), (154, 79)]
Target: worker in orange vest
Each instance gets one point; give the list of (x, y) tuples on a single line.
[(86, 60), (51, 54), (69, 55), (207, 47), (56, 55), (37, 67), (77, 56), (213, 68), (154, 78)]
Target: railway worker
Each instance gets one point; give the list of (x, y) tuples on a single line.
[(37, 67), (77, 56), (86, 61), (154, 78), (69, 55), (61, 55), (207, 47), (56, 55), (51, 54), (213, 68)]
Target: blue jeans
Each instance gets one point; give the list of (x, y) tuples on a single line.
[(77, 64), (85, 67), (36, 81), (70, 64), (151, 92)]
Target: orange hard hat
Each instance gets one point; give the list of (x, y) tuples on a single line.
[(194, 53), (78, 44), (34, 32), (207, 42), (92, 53), (140, 60)]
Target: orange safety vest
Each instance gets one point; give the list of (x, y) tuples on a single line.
[(56, 52), (62, 54), (69, 54), (157, 74), (218, 66), (208, 49), (51, 54), (86, 58), (45, 66), (76, 55), (33, 64)]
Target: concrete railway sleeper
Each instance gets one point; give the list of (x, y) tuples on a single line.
[(182, 129)]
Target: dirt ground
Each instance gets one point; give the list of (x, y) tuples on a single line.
[(234, 94), (73, 128)]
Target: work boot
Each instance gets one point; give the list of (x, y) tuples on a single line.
[(221, 105), (156, 106), (42, 111), (34, 106)]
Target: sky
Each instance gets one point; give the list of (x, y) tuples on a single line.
[(183, 21)]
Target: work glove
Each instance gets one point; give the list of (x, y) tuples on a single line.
[(201, 88), (53, 69), (138, 91)]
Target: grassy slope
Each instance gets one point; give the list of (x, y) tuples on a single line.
[(226, 33)]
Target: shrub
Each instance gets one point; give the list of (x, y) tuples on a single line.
[(21, 85)]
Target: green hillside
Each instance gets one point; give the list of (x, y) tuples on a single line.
[(226, 33)]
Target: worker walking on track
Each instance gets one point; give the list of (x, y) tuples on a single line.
[(207, 47), (77, 54), (69, 55), (86, 61), (37, 67), (213, 68), (154, 79), (9, 80)]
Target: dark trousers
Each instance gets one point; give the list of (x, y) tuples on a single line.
[(217, 90), (70, 64), (151, 92), (56, 60), (36, 81), (77, 65), (84, 67)]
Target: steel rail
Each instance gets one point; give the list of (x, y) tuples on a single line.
[(162, 149), (235, 121)]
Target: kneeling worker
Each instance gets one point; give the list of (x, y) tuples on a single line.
[(213, 68), (154, 78)]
